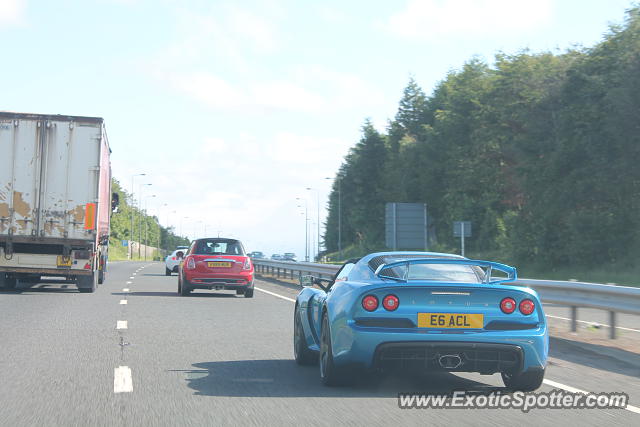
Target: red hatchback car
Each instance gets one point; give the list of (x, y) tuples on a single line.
[(216, 263)]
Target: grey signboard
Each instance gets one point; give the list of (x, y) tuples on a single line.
[(406, 226), (458, 226)]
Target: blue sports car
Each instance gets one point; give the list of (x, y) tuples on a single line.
[(421, 311)]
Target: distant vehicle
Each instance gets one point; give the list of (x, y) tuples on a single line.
[(289, 256), (216, 263), (55, 199), (256, 255), (424, 312), (276, 257), (172, 261), (182, 247)]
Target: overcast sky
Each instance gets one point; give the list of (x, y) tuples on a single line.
[(234, 108)]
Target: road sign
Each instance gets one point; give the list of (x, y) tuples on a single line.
[(462, 229), (458, 226), (125, 243), (406, 226)]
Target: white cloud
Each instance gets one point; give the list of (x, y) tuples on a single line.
[(428, 19), (12, 12)]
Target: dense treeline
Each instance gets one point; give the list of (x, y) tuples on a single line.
[(145, 226), (540, 151)]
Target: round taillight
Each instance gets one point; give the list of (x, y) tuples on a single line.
[(527, 306), (369, 303), (390, 302), (508, 305)]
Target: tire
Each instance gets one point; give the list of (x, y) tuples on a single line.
[(8, 282), (301, 353), (183, 288), (330, 374), (87, 284), (167, 272), (526, 381), (248, 293)]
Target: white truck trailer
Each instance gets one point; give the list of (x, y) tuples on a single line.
[(55, 199)]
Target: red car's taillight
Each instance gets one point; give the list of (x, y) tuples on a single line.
[(527, 307), (191, 264), (508, 305), (247, 264), (390, 302), (369, 303)]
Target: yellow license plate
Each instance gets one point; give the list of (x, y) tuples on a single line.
[(63, 261), (219, 264), (450, 320)]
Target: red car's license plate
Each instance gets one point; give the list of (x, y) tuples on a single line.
[(219, 264)]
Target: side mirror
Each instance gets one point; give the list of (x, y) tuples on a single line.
[(307, 281), (115, 201)]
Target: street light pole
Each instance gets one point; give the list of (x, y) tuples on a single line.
[(140, 218), (146, 229), (317, 216), (339, 179), (130, 252), (306, 228)]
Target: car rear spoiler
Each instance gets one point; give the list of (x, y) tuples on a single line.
[(488, 265)]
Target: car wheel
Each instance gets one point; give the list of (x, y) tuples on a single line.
[(248, 293), (301, 352), (525, 381), (167, 272), (184, 287), (330, 374)]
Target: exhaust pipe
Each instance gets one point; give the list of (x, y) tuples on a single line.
[(450, 361)]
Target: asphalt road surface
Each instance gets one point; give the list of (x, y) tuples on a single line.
[(217, 359)]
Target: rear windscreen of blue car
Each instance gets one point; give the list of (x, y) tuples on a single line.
[(430, 272)]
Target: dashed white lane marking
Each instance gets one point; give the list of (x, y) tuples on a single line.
[(125, 289), (591, 323), (275, 295), (577, 390), (122, 324), (547, 382), (123, 301), (129, 282), (131, 277), (122, 381)]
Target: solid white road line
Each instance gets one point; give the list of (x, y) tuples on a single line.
[(122, 382), (123, 301), (591, 323), (547, 382), (121, 324), (577, 390), (275, 295)]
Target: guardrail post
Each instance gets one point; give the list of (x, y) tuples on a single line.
[(574, 318), (612, 325), (278, 272), (292, 274)]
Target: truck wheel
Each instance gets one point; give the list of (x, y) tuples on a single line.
[(87, 284), (7, 282)]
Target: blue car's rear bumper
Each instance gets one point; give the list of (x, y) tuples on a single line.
[(483, 351)]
